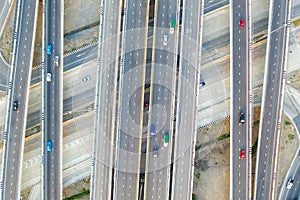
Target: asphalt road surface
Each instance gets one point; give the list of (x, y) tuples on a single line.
[(272, 97), (129, 131), (186, 119), (164, 80), (103, 164), (239, 100), (53, 95), (16, 119)]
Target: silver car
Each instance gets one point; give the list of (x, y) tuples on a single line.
[(165, 40), (56, 61)]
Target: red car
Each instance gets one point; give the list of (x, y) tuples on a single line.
[(242, 155), (242, 23)]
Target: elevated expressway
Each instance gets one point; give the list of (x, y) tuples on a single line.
[(18, 91), (105, 104), (272, 100), (52, 99), (188, 89), (240, 140), (131, 97), (162, 99)]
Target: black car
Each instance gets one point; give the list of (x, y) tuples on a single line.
[(155, 152), (242, 118), (15, 105), (202, 84)]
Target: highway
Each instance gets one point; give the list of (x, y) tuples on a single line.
[(272, 100), (293, 173), (162, 99), (105, 104), (131, 97), (240, 184), (52, 103), (187, 100), (18, 92)]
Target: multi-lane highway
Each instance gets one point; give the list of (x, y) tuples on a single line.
[(162, 97), (105, 104), (188, 88), (240, 126), (52, 107), (271, 111), (131, 96), (18, 98)]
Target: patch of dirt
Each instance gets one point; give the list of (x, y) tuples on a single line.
[(212, 163), (77, 188), (25, 193), (6, 37), (255, 127), (293, 79), (79, 14), (80, 39)]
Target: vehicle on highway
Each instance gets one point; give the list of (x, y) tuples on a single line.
[(85, 79), (49, 77), (152, 131), (166, 139), (56, 61), (49, 146), (202, 83), (15, 105), (242, 154), (155, 151), (242, 118), (290, 184), (49, 49), (242, 23), (165, 40), (172, 26), (146, 104)]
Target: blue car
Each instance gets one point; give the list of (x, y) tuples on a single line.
[(49, 49), (49, 146), (152, 131)]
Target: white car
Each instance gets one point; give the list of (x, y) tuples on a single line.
[(165, 40), (49, 77), (290, 184)]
